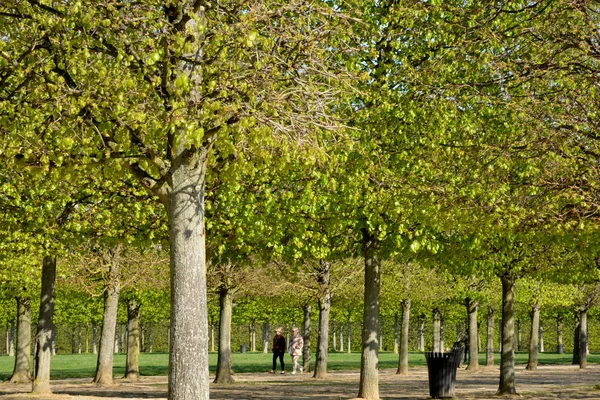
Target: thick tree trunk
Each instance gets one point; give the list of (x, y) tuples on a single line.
[(369, 362), (437, 325), (265, 337), (403, 357), (104, 363), (323, 275), (223, 373), (396, 333), (306, 337), (532, 361), (132, 363), (489, 351), (472, 307), (507, 360), (583, 338), (576, 341), (421, 334), (560, 347), (188, 355), (21, 369)]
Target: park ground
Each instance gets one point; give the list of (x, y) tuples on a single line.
[(547, 382)]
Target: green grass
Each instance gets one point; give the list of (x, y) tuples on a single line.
[(84, 365)]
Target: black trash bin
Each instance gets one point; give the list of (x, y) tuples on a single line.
[(441, 368), (243, 348)]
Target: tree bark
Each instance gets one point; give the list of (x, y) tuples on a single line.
[(223, 373), (518, 335), (421, 334), (489, 351), (369, 362), (265, 337), (306, 337), (333, 336), (341, 337), (437, 325), (150, 337), (583, 337), (104, 363), (560, 347), (532, 361), (323, 276), (188, 355), (253, 337), (576, 341), (21, 369), (403, 357), (507, 359), (132, 363), (541, 337), (349, 334), (10, 340), (472, 307), (94, 337), (395, 333)]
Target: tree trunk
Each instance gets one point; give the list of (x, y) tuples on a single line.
[(472, 307), (10, 340), (87, 341), (323, 275), (541, 337), (489, 351), (150, 337), (116, 345), (349, 335), (223, 373), (78, 338), (94, 337), (403, 358), (421, 334), (253, 337), (507, 359), (21, 369), (132, 363), (380, 335), (532, 361), (265, 337), (437, 324), (73, 341), (306, 337), (560, 347), (341, 338), (369, 362), (518, 335), (583, 338), (188, 355), (576, 341), (104, 363), (395, 333), (333, 336)]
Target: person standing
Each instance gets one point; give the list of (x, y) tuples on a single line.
[(278, 350), (296, 345)]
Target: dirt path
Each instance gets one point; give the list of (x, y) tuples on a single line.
[(548, 382)]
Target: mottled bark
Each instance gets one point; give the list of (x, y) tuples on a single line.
[(223, 373), (583, 338), (323, 276), (437, 326), (507, 359), (132, 362), (21, 369), (369, 362), (489, 351), (532, 361), (403, 357), (472, 307), (306, 337), (104, 363)]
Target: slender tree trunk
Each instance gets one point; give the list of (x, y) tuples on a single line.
[(380, 335), (541, 337), (396, 333), (150, 337), (54, 334), (349, 334), (518, 335), (132, 363), (472, 307), (21, 369), (421, 334), (87, 341), (489, 351), (576, 340), (253, 338), (583, 338), (306, 337), (560, 347), (507, 360), (188, 355), (116, 346), (265, 337), (73, 340), (341, 338), (369, 362), (104, 363), (437, 324), (10, 340), (532, 362), (333, 336), (403, 358), (78, 338), (212, 337), (223, 374), (323, 276), (94, 337)]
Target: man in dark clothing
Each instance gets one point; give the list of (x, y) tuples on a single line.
[(278, 350)]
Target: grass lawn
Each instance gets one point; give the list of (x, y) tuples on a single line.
[(84, 365)]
